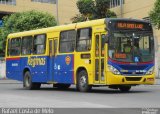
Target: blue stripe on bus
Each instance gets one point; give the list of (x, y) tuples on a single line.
[(41, 68), (131, 69)]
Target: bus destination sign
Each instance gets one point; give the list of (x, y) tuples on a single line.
[(124, 25)]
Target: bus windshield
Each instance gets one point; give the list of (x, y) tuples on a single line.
[(131, 46)]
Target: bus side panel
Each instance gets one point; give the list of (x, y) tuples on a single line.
[(13, 70), (38, 68), (64, 69)]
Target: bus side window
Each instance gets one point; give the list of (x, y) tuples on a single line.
[(27, 45), (84, 39), (8, 48), (97, 46), (67, 41), (102, 44), (55, 46), (15, 48), (39, 45)]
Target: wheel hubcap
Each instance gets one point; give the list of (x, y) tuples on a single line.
[(83, 81)]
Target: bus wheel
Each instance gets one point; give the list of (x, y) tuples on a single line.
[(62, 86), (28, 84), (124, 88), (82, 82)]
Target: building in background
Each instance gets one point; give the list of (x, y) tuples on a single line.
[(64, 9), (138, 9)]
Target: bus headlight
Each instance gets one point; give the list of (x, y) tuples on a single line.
[(113, 70), (150, 71)]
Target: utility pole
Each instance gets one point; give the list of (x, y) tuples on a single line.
[(121, 6), (57, 12)]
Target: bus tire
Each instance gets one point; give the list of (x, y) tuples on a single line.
[(28, 84), (62, 86), (82, 82), (124, 88)]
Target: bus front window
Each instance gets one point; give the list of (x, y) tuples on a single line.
[(131, 47)]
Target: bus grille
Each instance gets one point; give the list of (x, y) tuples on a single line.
[(142, 67), (133, 78), (131, 73)]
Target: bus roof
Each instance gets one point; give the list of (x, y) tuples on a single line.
[(126, 19), (58, 28)]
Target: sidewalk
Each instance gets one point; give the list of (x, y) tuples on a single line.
[(8, 81), (157, 81)]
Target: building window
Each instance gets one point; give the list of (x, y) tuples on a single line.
[(84, 37), (67, 41), (8, 2), (39, 44), (115, 3), (45, 1)]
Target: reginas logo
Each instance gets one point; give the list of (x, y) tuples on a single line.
[(36, 61)]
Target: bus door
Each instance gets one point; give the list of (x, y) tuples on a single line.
[(52, 54), (99, 58)]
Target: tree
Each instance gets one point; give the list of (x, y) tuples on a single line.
[(1, 40), (102, 9), (85, 7), (93, 9), (78, 18), (155, 14), (24, 21)]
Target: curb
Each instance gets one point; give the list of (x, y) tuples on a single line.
[(4, 78), (9, 81)]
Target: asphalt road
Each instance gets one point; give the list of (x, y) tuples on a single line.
[(12, 94)]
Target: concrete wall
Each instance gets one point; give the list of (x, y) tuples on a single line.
[(135, 8), (2, 69), (67, 8)]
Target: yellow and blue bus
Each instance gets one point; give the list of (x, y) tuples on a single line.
[(118, 53)]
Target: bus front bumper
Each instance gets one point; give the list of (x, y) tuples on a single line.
[(112, 79)]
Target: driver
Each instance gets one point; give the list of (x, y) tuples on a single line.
[(127, 47)]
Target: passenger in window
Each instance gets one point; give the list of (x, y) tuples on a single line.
[(24, 52), (136, 48), (127, 47), (40, 49)]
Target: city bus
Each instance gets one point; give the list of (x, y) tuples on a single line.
[(118, 53)]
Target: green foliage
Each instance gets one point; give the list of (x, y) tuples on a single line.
[(78, 18), (102, 9), (1, 40), (85, 7), (24, 21), (93, 9), (110, 14), (155, 14)]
